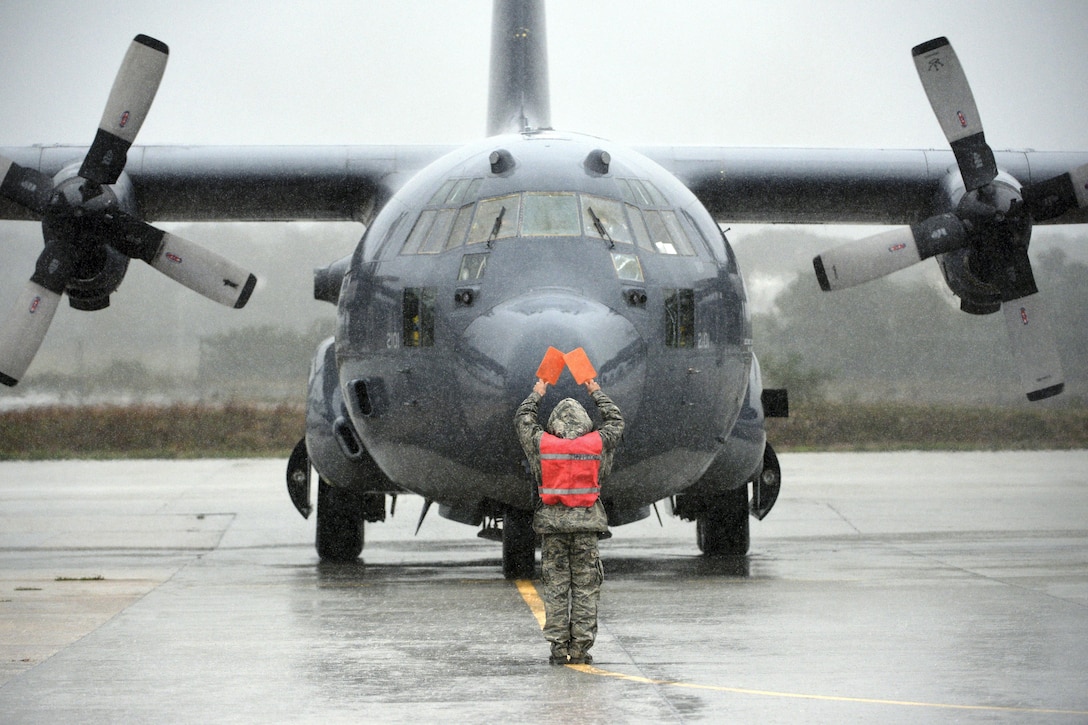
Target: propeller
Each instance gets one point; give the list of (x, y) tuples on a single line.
[(80, 221), (991, 222)]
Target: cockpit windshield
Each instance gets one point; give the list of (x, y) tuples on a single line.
[(638, 219), (496, 218), (550, 215)]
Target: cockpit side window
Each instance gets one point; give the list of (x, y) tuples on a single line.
[(390, 233), (641, 192), (439, 232), (431, 232), (455, 191), (464, 190), (655, 225), (439, 198), (419, 232), (676, 231), (666, 234), (715, 246), (638, 226), (460, 226), (439, 229)]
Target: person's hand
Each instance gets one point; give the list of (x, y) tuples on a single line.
[(592, 386), (540, 387)]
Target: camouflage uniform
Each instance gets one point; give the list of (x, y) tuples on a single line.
[(571, 569)]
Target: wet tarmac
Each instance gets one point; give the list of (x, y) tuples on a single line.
[(891, 588)]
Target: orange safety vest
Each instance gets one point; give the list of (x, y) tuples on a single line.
[(569, 469)]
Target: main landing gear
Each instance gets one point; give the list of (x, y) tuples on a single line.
[(722, 528), (722, 524), (339, 523)]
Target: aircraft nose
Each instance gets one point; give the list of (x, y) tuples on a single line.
[(503, 348)]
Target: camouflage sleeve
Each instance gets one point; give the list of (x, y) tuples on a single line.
[(529, 431), (611, 428)]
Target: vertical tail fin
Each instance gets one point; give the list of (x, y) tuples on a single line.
[(519, 97)]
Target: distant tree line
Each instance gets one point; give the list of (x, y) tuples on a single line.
[(262, 363), (259, 362)]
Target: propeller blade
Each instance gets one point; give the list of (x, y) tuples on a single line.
[(950, 95), (1029, 330), (1054, 197), (23, 331), (1033, 344), (185, 262), (27, 187), (204, 271), (867, 259), (130, 100)]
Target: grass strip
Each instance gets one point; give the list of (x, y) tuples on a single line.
[(898, 426), (253, 430), (233, 430)]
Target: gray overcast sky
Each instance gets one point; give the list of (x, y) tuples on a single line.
[(788, 73)]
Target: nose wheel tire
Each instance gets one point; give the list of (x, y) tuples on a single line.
[(339, 523), (722, 529)]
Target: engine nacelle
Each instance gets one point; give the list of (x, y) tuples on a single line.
[(328, 280)]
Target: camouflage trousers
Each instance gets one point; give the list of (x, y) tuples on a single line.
[(572, 573)]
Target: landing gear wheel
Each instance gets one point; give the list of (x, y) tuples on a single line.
[(518, 544), (722, 529), (339, 523)]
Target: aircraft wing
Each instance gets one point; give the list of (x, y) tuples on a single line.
[(248, 183), (345, 183), (836, 186)]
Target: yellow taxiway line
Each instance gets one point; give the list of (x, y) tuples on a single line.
[(532, 598)]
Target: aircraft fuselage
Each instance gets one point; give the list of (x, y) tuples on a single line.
[(521, 242)]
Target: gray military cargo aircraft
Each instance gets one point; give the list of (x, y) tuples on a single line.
[(476, 260)]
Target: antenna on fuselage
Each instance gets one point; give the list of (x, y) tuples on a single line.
[(519, 99)]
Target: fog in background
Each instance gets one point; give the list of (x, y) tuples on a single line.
[(836, 74)]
